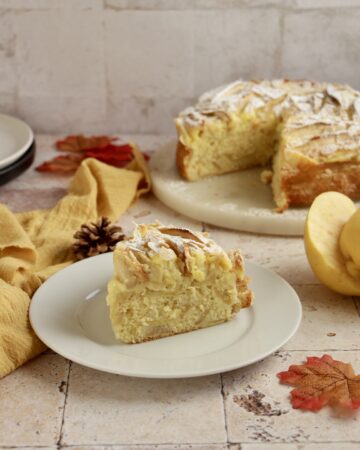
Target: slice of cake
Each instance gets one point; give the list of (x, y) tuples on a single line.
[(171, 280), (316, 153), (238, 126)]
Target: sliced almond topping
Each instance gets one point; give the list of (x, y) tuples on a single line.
[(181, 232), (178, 251)]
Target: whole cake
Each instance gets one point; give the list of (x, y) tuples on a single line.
[(308, 131), (171, 280)]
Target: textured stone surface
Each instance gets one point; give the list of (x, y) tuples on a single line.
[(144, 114), (327, 446), (190, 4), (31, 403), (282, 423), (232, 44), (151, 80), (7, 51), (336, 51), (160, 44), (156, 447), (326, 4), (33, 198), (63, 86), (330, 321), (53, 4), (51, 62), (106, 408), (70, 114)]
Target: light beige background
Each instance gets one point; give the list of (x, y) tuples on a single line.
[(129, 66)]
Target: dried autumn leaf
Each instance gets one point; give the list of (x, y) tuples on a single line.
[(79, 143), (115, 155), (61, 164), (100, 148), (322, 381)]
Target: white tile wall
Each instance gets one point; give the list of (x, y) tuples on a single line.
[(51, 4), (8, 71), (60, 52), (311, 4), (235, 43), (149, 53), (316, 45), (131, 65)]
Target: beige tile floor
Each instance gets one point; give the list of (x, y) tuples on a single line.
[(51, 403)]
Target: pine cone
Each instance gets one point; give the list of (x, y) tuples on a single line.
[(95, 238)]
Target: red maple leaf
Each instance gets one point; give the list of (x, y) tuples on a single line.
[(322, 381), (115, 155), (80, 147), (79, 143), (61, 164)]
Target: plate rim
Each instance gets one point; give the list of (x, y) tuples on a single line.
[(162, 375), (18, 153)]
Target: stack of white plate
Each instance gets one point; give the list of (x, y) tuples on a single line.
[(17, 147)]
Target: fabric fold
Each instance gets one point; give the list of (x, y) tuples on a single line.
[(36, 244)]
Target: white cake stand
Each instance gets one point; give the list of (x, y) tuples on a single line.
[(239, 201)]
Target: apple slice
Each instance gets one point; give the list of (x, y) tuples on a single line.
[(327, 216)]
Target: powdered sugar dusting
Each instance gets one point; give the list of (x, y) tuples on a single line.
[(280, 95), (157, 239)]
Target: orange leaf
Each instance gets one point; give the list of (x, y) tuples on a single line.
[(322, 381), (82, 147), (79, 143), (61, 164)]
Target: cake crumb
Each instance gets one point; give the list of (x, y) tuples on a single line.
[(266, 176)]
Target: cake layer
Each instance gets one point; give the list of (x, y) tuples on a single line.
[(240, 142), (170, 280), (143, 315)]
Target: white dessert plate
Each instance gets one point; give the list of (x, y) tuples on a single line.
[(239, 200), (69, 314), (15, 139)]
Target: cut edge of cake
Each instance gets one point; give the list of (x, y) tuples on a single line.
[(316, 153)]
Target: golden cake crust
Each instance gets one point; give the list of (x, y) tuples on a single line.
[(182, 154), (306, 183)]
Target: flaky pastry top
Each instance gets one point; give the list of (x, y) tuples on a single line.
[(321, 138), (283, 95)]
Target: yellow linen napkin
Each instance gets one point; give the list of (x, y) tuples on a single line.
[(35, 244)]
